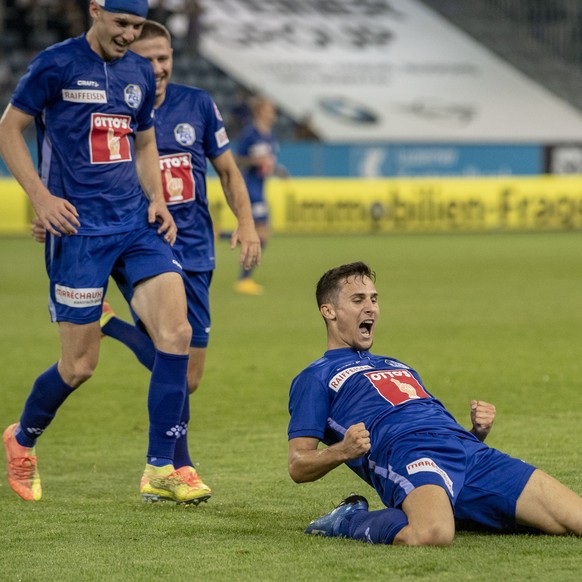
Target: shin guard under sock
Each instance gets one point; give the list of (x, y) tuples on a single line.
[(165, 405), (375, 527), (48, 392), (181, 454)]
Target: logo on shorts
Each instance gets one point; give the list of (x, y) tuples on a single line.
[(185, 134), (108, 138), (132, 96), (83, 297), (428, 465)]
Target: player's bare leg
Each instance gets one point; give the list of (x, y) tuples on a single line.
[(549, 506), (79, 351), (160, 303), (430, 518)]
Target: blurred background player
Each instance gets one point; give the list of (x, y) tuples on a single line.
[(97, 159), (257, 158), (189, 129)]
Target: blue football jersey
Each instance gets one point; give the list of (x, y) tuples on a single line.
[(346, 387), (87, 112), (253, 143), (189, 129)]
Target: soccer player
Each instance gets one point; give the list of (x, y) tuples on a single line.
[(99, 195), (376, 416), (189, 129), (257, 157)]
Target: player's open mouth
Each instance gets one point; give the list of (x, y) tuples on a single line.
[(366, 327)]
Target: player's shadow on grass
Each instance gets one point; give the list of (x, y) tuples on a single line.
[(472, 527)]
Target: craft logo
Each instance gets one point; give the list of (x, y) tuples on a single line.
[(108, 139), (185, 134), (132, 96), (396, 386), (339, 379), (85, 297), (177, 178)]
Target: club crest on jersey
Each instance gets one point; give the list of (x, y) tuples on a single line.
[(185, 134), (177, 178), (132, 95), (396, 364), (396, 386), (108, 138)]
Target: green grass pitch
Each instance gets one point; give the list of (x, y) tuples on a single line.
[(497, 317)]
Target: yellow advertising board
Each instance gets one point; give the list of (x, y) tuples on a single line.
[(391, 205), (15, 210), (420, 205)]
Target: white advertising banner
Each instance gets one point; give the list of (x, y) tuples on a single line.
[(380, 70)]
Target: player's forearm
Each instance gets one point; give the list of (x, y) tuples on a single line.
[(234, 188), (16, 156), (148, 166), (310, 465), (237, 198)]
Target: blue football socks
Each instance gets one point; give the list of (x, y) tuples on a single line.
[(374, 527), (134, 338), (166, 398), (181, 454), (48, 392)]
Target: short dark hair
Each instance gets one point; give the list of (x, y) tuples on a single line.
[(328, 285), (153, 29)]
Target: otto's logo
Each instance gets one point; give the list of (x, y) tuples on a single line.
[(132, 96), (108, 140), (177, 178), (397, 386), (185, 134)]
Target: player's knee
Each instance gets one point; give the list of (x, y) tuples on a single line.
[(430, 535), (175, 338), (77, 373)]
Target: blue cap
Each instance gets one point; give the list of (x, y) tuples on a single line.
[(135, 7)]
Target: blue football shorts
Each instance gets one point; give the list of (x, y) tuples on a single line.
[(79, 268), (482, 483), (260, 211), (198, 296)]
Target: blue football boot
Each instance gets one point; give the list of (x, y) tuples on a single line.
[(330, 525)]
